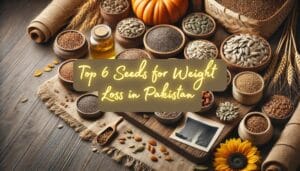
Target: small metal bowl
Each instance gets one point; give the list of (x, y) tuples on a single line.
[(90, 116), (168, 121)]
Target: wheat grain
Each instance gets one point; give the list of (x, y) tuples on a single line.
[(82, 13), (91, 20)]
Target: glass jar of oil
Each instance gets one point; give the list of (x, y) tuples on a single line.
[(102, 42)]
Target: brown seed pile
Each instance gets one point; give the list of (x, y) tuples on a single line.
[(114, 6), (88, 104), (256, 123), (70, 40), (248, 82), (278, 107), (133, 54), (164, 39), (66, 71), (102, 138), (207, 98), (257, 9)]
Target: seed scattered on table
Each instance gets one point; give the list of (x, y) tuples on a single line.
[(153, 158), (137, 138), (94, 149), (47, 69), (24, 100), (37, 73), (139, 149), (60, 126)]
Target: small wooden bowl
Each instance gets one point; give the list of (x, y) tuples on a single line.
[(67, 83), (76, 53), (185, 49), (208, 107), (256, 138), (130, 42), (278, 121), (159, 54), (230, 78), (247, 98), (238, 68), (168, 121), (90, 116), (131, 57), (199, 36), (113, 18)]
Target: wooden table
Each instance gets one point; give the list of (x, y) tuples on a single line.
[(29, 137)]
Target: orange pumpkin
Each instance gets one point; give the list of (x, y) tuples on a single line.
[(154, 12)]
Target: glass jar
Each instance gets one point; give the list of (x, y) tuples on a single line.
[(102, 42)]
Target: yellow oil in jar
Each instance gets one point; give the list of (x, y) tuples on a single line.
[(102, 43)]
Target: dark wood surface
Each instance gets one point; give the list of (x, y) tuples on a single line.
[(163, 132), (29, 138)]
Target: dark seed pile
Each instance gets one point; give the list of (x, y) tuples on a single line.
[(70, 40), (164, 39), (257, 9), (88, 104)]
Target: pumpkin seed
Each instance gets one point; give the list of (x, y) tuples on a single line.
[(198, 23), (131, 27)]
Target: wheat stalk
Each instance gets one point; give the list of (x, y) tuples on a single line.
[(91, 20), (82, 13)]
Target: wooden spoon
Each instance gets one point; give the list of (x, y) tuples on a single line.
[(104, 136)]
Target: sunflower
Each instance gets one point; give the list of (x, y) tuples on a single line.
[(236, 155)]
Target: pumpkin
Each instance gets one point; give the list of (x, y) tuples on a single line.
[(154, 12)]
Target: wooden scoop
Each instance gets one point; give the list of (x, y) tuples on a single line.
[(104, 136)]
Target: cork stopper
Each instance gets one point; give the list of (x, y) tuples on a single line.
[(101, 31)]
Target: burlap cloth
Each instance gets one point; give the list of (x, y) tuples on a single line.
[(54, 95)]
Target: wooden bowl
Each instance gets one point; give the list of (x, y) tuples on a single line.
[(256, 138), (185, 49), (208, 107), (238, 68), (90, 116), (78, 52), (113, 18), (244, 97), (278, 121), (130, 42), (199, 36), (168, 54), (168, 121), (230, 78), (67, 83), (147, 55)]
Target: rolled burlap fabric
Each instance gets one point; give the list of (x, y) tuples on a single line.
[(285, 154), (52, 19)]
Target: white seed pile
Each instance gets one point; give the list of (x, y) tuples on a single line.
[(131, 27), (246, 50), (227, 111), (199, 49)]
